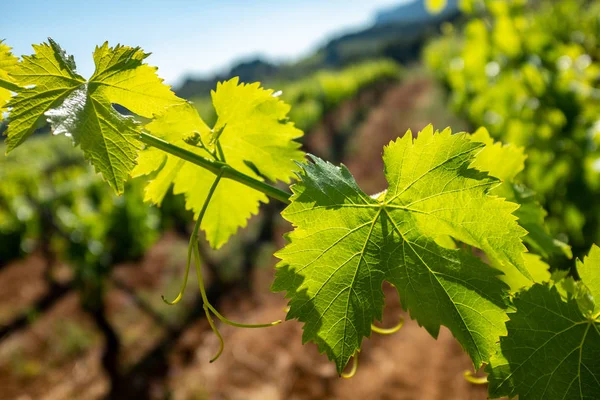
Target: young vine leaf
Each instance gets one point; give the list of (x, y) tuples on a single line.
[(253, 135), (7, 63), (552, 347), (82, 108), (345, 244)]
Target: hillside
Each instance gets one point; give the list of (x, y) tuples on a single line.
[(397, 33)]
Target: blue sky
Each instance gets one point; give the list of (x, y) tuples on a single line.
[(184, 36)]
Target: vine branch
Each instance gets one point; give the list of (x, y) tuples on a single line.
[(216, 167)]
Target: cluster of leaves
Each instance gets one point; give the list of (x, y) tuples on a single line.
[(532, 76), (448, 194)]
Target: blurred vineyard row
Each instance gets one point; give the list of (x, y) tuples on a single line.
[(530, 73)]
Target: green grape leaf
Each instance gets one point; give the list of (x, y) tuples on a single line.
[(83, 109), (123, 78), (251, 128), (7, 63), (506, 162), (232, 202), (47, 79), (551, 350), (345, 244), (589, 271)]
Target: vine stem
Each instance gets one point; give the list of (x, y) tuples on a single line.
[(352, 372), (388, 331), (216, 167), (194, 250), (193, 242), (470, 377)]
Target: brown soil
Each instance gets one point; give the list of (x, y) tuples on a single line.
[(273, 363), (58, 355), (20, 289)]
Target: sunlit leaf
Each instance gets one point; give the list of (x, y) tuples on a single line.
[(252, 131), (345, 244), (83, 109), (550, 351)]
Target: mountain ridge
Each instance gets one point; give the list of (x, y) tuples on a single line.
[(397, 32)]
